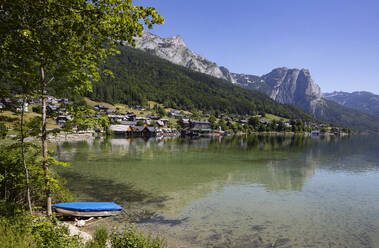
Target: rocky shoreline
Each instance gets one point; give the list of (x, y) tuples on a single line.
[(91, 136), (72, 137)]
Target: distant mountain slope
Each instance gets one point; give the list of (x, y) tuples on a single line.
[(252, 82), (140, 76), (297, 87), (359, 100), (340, 115)]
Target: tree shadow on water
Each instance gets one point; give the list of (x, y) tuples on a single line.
[(157, 219), (99, 189)]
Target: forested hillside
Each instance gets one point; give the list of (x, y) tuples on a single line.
[(340, 115), (360, 100), (140, 77)]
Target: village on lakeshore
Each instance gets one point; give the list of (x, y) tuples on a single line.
[(156, 121)]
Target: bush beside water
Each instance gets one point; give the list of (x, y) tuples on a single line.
[(130, 237), (19, 229), (23, 230)]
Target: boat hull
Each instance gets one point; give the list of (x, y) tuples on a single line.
[(74, 213)]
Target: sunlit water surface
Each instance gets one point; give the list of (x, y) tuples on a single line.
[(238, 191)]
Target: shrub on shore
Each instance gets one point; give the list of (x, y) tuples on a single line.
[(18, 229), (129, 237), (23, 230), (100, 238)]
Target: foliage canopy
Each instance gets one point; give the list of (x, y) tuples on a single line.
[(68, 38)]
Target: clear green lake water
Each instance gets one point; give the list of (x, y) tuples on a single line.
[(238, 191)]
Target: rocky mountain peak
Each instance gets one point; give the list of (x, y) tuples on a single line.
[(293, 86), (175, 50), (228, 75), (178, 40)]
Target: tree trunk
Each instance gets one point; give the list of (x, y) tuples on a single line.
[(23, 157), (5, 186), (44, 144)]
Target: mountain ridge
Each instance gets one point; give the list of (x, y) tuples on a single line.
[(288, 86), (365, 101), (175, 50)]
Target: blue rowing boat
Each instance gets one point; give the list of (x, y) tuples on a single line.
[(88, 209)]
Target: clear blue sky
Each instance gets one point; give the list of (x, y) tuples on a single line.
[(337, 40)]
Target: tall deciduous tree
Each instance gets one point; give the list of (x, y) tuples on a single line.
[(61, 43)]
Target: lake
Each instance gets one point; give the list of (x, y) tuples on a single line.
[(255, 191)]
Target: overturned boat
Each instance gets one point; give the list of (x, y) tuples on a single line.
[(88, 209)]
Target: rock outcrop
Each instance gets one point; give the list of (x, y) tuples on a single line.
[(294, 86), (175, 50)]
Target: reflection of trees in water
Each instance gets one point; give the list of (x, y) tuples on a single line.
[(255, 143), (177, 171), (349, 154), (187, 169), (145, 145), (192, 168), (289, 175)]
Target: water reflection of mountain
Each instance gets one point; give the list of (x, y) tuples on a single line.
[(349, 155), (185, 169)]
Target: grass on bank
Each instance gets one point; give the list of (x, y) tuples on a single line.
[(123, 108), (271, 117), (20, 230), (128, 237), (28, 116)]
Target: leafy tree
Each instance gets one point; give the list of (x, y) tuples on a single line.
[(22, 139), (261, 128), (3, 130), (195, 115), (59, 44), (240, 128), (139, 123), (68, 126), (212, 120), (104, 123), (234, 127), (221, 123), (14, 188), (281, 127), (37, 109), (161, 111), (253, 121)]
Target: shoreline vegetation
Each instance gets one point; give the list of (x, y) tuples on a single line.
[(92, 135), (81, 119), (36, 231)]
